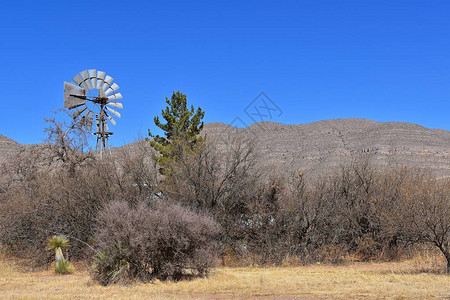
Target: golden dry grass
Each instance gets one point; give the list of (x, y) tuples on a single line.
[(400, 280)]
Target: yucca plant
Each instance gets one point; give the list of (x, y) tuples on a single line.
[(64, 267), (57, 243)]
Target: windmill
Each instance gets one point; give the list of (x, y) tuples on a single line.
[(93, 93)]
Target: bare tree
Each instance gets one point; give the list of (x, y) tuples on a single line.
[(67, 144), (137, 172), (427, 213), (21, 166), (206, 177)]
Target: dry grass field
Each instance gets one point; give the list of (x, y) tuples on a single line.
[(416, 278)]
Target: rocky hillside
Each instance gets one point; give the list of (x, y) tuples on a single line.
[(7, 147), (315, 148)]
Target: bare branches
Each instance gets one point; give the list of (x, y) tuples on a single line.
[(67, 144)]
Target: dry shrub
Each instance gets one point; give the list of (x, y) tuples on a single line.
[(54, 203), (292, 261), (332, 254), (427, 259), (43, 197), (166, 242)]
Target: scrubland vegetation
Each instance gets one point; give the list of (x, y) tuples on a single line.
[(175, 213)]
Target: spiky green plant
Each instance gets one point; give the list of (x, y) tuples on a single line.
[(109, 265), (64, 267), (57, 243)]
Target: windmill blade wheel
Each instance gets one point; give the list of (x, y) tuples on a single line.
[(93, 92)]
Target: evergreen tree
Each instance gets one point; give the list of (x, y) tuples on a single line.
[(181, 129)]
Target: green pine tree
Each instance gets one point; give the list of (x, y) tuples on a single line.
[(181, 128)]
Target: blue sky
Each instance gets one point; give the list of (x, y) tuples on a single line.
[(316, 60)]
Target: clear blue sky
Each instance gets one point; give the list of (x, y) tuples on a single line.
[(380, 60)]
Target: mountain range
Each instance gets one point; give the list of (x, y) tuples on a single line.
[(315, 148)]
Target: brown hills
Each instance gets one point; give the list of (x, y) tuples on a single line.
[(7, 147), (315, 148)]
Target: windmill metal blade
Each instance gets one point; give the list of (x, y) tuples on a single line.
[(115, 104), (93, 77), (115, 96), (105, 126), (92, 73), (86, 113), (85, 86), (114, 87), (111, 119), (83, 83), (117, 114), (108, 79), (100, 76), (89, 120), (78, 112), (99, 83), (85, 76), (77, 79), (80, 82), (83, 118), (101, 93), (70, 91)]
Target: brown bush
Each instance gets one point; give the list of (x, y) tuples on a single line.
[(56, 203), (65, 202), (166, 241)]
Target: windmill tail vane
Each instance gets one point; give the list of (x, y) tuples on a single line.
[(93, 93)]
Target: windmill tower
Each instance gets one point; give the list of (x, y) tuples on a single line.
[(93, 93)]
